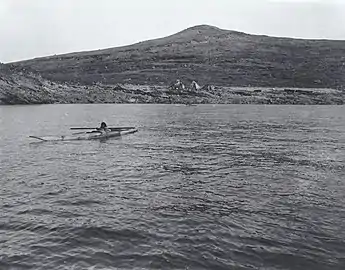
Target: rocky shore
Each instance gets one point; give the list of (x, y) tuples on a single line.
[(18, 86)]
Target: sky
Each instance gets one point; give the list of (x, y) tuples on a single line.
[(35, 28)]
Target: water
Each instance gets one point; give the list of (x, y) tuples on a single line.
[(206, 187)]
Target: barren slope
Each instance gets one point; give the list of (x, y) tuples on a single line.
[(208, 55)]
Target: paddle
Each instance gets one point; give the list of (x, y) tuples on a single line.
[(83, 132), (38, 138), (111, 128)]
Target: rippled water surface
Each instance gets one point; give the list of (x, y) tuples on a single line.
[(204, 187)]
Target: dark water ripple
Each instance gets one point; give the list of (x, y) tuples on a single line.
[(207, 187)]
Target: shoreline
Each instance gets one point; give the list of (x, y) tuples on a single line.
[(30, 88), (55, 93)]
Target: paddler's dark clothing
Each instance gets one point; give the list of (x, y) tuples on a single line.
[(104, 128)]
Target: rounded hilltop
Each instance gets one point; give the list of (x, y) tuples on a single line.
[(206, 54)]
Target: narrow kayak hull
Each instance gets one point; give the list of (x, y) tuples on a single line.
[(86, 136)]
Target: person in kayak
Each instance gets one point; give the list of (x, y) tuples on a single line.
[(104, 128)]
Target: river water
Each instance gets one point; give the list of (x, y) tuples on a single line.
[(198, 187)]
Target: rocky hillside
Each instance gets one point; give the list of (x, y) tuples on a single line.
[(19, 85), (208, 55), (23, 86)]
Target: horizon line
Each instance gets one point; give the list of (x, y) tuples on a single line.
[(162, 37)]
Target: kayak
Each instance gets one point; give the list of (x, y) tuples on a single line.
[(94, 135)]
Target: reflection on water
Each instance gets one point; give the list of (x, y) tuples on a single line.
[(202, 187)]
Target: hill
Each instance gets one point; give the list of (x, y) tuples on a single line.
[(208, 55)]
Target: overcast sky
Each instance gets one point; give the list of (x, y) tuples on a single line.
[(33, 28)]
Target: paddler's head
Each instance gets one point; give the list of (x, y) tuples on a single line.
[(103, 125)]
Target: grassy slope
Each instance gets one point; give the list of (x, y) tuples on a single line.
[(208, 55)]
